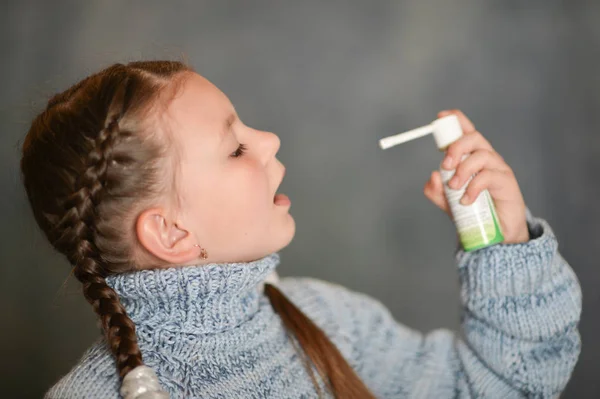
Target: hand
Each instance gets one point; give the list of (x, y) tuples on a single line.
[(493, 174)]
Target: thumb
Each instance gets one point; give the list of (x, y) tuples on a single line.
[(434, 191)]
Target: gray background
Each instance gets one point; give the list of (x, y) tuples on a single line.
[(330, 78)]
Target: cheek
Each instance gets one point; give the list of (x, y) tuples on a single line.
[(243, 198)]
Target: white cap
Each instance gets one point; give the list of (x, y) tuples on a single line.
[(446, 131)]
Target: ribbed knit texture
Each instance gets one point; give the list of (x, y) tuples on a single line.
[(209, 332)]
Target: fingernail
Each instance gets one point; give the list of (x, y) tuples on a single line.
[(465, 199), (448, 162)]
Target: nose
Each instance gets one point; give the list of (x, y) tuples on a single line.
[(270, 144)]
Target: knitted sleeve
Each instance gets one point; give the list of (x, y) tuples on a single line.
[(521, 306)]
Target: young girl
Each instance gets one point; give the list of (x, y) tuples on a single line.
[(166, 206)]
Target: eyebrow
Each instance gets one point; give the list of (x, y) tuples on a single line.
[(228, 122), (226, 125)]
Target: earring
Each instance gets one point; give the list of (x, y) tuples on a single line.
[(203, 253)]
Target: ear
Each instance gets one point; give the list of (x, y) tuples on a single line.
[(163, 238)]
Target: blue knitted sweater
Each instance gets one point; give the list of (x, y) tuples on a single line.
[(210, 332)]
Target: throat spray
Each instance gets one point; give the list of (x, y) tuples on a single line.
[(477, 224)]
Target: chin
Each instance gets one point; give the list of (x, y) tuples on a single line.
[(286, 234)]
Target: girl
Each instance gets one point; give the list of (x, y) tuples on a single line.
[(166, 206)]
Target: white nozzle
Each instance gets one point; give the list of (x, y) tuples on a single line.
[(445, 130), (406, 136)]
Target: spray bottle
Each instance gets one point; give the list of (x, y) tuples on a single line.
[(477, 224)]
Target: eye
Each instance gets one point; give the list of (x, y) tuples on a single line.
[(239, 152)]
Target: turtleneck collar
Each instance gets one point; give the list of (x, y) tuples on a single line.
[(194, 299)]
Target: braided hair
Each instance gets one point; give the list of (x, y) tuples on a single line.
[(86, 163)]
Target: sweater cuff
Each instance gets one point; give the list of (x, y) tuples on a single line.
[(540, 248)]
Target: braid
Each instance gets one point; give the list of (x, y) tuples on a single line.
[(77, 241), (88, 172)]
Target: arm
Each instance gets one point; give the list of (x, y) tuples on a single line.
[(523, 293), (521, 306)]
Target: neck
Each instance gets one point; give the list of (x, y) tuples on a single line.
[(194, 299)]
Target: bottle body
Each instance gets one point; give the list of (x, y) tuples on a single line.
[(477, 224)]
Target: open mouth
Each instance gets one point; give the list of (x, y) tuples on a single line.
[(281, 200)]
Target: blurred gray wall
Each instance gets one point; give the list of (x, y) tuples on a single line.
[(330, 78)]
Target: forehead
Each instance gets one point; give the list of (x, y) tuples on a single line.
[(198, 110)]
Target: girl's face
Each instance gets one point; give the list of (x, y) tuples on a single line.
[(227, 178)]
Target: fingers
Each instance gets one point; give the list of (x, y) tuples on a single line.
[(470, 142), (465, 123), (498, 183), (434, 191), (480, 159), (465, 145)]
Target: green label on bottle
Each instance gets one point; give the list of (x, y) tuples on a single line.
[(477, 224)]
